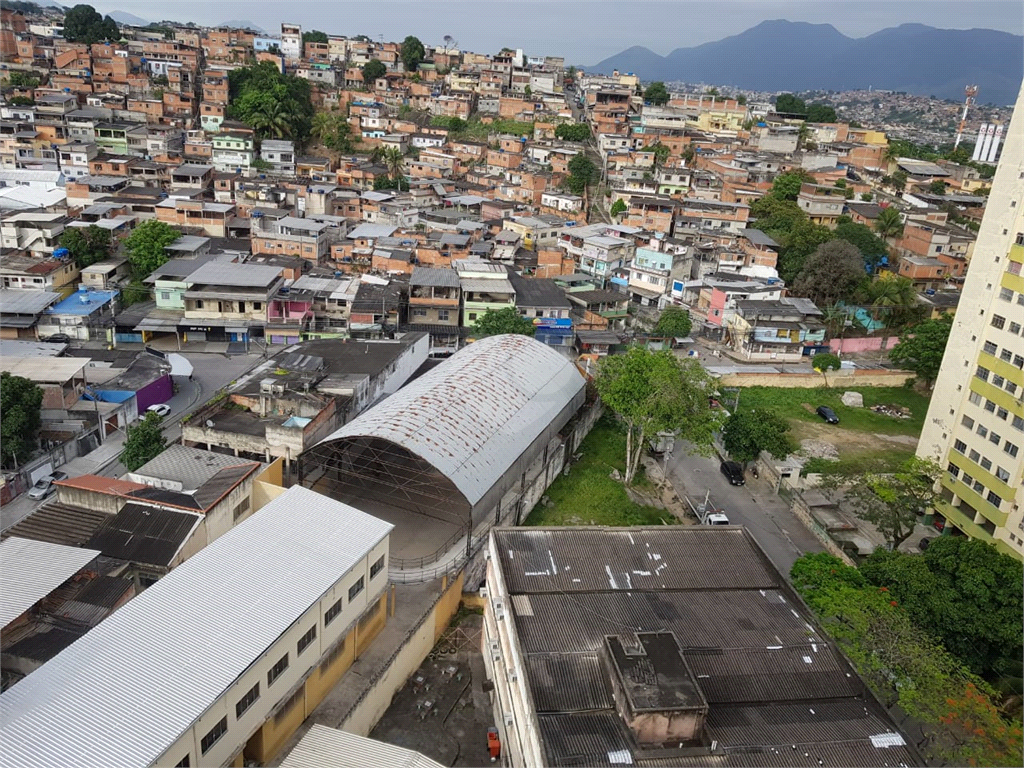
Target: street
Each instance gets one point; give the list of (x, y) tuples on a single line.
[(211, 371), (754, 505)]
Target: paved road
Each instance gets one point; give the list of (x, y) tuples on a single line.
[(781, 535), (211, 371)]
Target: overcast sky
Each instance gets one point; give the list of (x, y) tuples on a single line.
[(584, 31)]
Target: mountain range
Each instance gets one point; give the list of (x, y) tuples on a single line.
[(797, 56)]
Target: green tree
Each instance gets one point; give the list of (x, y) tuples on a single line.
[(412, 53), (937, 187), (273, 104), (582, 173), (831, 274), (921, 347), (674, 323), (332, 131), (314, 36), (891, 501), (572, 132), (273, 121), (711, 91), (144, 442), (872, 248), (741, 100), (498, 321), (788, 104), (21, 403), (893, 299), (748, 432), (821, 113), (386, 182), (618, 207), (661, 153), (656, 93), (82, 24), (786, 186), (16, 79), (656, 392), (889, 223), (372, 70), (826, 361), (145, 246), (797, 244), (867, 197), (898, 180), (963, 592), (86, 245), (394, 161)]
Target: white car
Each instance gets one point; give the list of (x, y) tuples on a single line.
[(160, 409)]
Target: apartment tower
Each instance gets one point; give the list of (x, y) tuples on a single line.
[(975, 423)]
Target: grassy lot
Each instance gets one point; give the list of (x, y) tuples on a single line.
[(866, 441), (588, 496)]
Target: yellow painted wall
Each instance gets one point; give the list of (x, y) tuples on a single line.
[(275, 733), (239, 762), (323, 679), (447, 606), (369, 627)]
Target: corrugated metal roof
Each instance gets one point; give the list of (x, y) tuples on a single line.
[(58, 524), (142, 534), (486, 285), (472, 416), (222, 273), (15, 302), (81, 707), (444, 278), (32, 569), (324, 747)]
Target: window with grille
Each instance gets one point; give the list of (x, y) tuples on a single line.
[(247, 701), (332, 613), (356, 588), (277, 670), (214, 735), (306, 639)]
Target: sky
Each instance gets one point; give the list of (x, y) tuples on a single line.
[(583, 31)]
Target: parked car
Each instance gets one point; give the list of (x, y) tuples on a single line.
[(827, 414), (45, 485), (57, 338), (160, 409), (734, 472)]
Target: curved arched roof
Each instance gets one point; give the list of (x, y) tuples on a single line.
[(472, 416)]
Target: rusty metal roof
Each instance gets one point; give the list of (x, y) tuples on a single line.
[(472, 416)]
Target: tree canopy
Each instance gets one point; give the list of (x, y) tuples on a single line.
[(21, 403), (314, 36), (826, 361), (412, 53), (618, 207), (372, 70), (786, 186), (332, 131), (963, 592), (145, 246), (892, 501), (748, 432), (572, 132), (87, 245), (831, 274), (274, 105), (144, 442), (921, 347), (674, 323), (656, 392), (872, 248), (83, 24), (497, 321), (789, 104), (582, 173), (656, 93), (821, 113)]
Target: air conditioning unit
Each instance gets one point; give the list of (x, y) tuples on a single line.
[(509, 721), (483, 592)]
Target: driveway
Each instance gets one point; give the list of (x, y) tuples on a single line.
[(754, 505)]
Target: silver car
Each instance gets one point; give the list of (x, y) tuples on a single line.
[(45, 485)]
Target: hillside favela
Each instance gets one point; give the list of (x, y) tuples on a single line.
[(390, 384)]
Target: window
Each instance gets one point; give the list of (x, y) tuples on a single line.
[(214, 736), (974, 398), (1006, 294), (377, 567), (1010, 448), (978, 486), (442, 314), (990, 406), (982, 373), (1002, 474), (986, 464), (241, 508), (247, 701), (997, 379), (967, 479), (185, 762), (257, 305), (305, 640), (199, 303), (968, 422), (472, 315), (998, 321), (332, 613), (1018, 423), (994, 499), (1005, 355), (990, 348), (974, 456), (1018, 360), (960, 446), (953, 469), (1002, 413), (982, 430), (1014, 327), (165, 295), (277, 670), (419, 313), (355, 589)]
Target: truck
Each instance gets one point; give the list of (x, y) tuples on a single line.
[(706, 512)]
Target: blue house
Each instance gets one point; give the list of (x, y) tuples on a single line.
[(84, 315)]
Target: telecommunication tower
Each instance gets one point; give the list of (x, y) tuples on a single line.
[(969, 92)]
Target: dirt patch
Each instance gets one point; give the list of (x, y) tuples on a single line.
[(844, 442), (809, 408)]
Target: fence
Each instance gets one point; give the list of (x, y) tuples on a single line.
[(410, 563)]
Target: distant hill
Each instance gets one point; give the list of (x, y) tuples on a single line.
[(243, 24), (123, 17), (797, 56)]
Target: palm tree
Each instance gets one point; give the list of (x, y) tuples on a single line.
[(889, 223), (803, 134), (895, 298), (324, 126), (891, 154), (834, 318), (377, 154), (275, 122), (394, 162)]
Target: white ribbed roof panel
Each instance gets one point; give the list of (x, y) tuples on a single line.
[(30, 570), (472, 416), (324, 747), (127, 690)]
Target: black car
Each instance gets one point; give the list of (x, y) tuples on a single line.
[(57, 338), (827, 414), (734, 472)]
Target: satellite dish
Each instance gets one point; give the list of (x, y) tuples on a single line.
[(209, 423)]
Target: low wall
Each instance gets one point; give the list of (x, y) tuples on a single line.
[(803, 514), (835, 379), (863, 344)]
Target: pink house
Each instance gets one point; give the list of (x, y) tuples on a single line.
[(288, 315)]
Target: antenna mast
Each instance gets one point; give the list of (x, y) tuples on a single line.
[(969, 92)]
